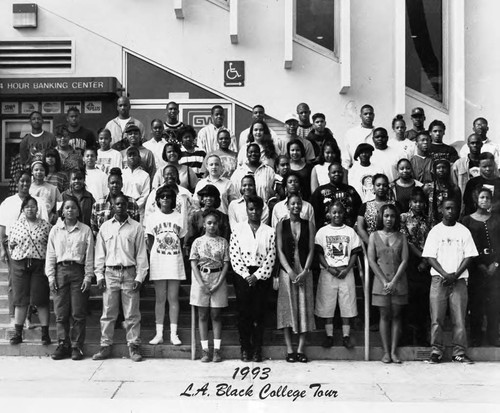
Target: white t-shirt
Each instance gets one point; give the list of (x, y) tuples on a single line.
[(450, 245), (337, 244), (48, 193), (322, 173), (108, 159), (407, 146), (166, 261), (136, 184), (387, 159), (157, 148), (123, 122), (353, 137), (96, 183), (360, 178)]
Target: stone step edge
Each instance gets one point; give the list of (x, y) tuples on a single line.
[(269, 352)]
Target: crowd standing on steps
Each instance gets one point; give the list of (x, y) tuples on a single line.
[(122, 206)]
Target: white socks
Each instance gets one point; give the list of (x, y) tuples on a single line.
[(174, 338), (346, 330), (329, 330), (217, 343), (158, 339)]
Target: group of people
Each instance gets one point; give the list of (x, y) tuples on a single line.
[(291, 212)]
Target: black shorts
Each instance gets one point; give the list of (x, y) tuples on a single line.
[(30, 285)]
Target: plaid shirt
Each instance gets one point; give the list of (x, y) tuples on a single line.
[(102, 210)]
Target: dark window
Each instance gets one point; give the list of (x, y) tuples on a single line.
[(314, 21), (424, 47)]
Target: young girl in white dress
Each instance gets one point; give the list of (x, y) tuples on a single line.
[(165, 230)]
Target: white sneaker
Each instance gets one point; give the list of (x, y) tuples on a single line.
[(175, 340), (158, 339)]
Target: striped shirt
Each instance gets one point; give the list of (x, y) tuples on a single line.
[(193, 159)]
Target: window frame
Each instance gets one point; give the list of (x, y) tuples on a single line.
[(335, 54), (419, 96)]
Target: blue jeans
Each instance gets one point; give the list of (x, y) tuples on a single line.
[(119, 285), (70, 301), (456, 296)]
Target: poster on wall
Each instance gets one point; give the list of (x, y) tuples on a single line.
[(28, 107), (51, 108), (93, 106), (10, 108), (72, 104)]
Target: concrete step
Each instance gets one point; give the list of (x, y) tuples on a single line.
[(273, 352), (4, 287), (229, 334)]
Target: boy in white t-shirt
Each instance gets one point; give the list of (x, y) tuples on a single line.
[(136, 181), (107, 158), (449, 249), (337, 246), (96, 181)]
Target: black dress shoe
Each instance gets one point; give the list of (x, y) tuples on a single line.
[(245, 357), (257, 357)]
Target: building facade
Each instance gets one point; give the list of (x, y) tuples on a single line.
[(336, 55)]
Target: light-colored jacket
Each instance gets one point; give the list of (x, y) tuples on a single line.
[(117, 132)]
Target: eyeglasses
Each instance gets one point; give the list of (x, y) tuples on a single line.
[(164, 196)]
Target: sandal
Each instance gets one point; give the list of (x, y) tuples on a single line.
[(301, 358), (395, 359), (386, 359), (291, 358)]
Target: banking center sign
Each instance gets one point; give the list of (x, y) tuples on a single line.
[(75, 85)]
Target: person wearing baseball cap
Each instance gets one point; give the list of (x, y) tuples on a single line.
[(291, 126), (418, 119), (117, 125), (132, 138)]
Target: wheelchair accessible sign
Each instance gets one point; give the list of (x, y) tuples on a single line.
[(234, 73)]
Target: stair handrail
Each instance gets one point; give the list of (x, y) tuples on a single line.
[(193, 332), (364, 273)]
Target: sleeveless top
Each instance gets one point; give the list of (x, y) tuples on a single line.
[(288, 243), (389, 259)]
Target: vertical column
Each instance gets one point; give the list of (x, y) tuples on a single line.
[(179, 12), (345, 45), (289, 28), (399, 56), (233, 21), (455, 68)]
